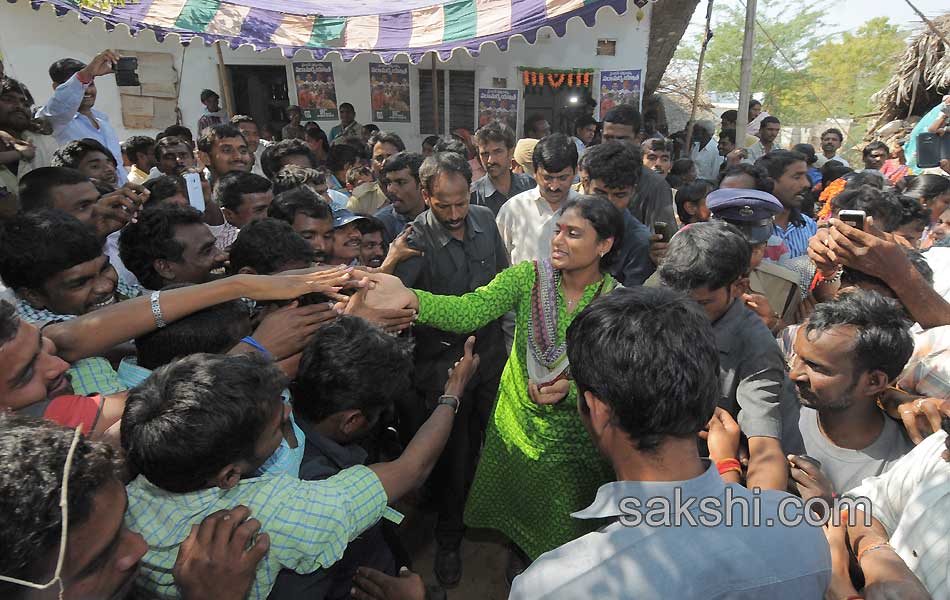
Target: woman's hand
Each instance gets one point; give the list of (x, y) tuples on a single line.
[(388, 291), (549, 394)]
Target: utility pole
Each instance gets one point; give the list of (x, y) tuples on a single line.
[(745, 78), (707, 35)]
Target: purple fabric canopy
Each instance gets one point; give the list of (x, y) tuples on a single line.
[(411, 27)]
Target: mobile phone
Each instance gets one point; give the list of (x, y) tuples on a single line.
[(809, 459), (125, 71), (196, 197), (854, 218), (665, 229)]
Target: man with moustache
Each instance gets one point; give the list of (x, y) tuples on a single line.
[(347, 239), (70, 108), (845, 356), (309, 216), (461, 251), (35, 149), (831, 140), (102, 557), (526, 221), (399, 180), (789, 174), (496, 147)]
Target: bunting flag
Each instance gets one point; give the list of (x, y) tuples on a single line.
[(411, 27)]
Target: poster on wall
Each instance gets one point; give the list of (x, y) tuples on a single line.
[(498, 105), (316, 93), (619, 87), (389, 90)]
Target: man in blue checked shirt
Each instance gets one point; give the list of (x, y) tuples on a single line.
[(70, 109), (197, 431), (789, 174)]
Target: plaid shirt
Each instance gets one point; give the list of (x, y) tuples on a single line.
[(93, 375), (42, 316), (927, 373), (309, 523)]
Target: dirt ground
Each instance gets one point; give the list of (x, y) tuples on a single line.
[(484, 557)]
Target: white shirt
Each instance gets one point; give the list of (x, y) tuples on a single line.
[(111, 249), (707, 160), (526, 225), (912, 502), (256, 169), (939, 260), (757, 151), (822, 159), (62, 110)]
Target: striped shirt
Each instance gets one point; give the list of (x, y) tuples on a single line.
[(911, 502), (796, 236), (309, 523)]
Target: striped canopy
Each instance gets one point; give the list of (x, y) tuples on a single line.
[(383, 27)]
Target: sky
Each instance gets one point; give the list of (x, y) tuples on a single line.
[(848, 15)]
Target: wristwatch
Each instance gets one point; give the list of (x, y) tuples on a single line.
[(450, 400)]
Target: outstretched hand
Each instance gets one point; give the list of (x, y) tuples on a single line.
[(392, 320)]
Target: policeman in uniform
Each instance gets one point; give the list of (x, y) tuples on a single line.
[(751, 211)]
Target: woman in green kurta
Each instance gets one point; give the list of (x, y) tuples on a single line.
[(538, 464)]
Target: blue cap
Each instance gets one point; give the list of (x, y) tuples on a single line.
[(342, 217), (749, 210)]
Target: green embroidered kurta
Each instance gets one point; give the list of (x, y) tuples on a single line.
[(538, 464)]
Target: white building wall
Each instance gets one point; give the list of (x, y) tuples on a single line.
[(32, 40)]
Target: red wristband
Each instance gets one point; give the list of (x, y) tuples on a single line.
[(81, 80), (729, 464)]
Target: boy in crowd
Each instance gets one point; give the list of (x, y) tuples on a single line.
[(709, 262), (198, 428), (309, 216), (170, 244), (358, 176), (243, 198), (58, 271), (608, 174)]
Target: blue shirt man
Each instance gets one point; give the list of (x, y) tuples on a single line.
[(70, 108)]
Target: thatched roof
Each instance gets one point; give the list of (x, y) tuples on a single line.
[(921, 77)]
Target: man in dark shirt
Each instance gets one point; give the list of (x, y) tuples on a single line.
[(609, 174), (496, 148), (462, 251), (654, 198), (399, 179), (348, 377)]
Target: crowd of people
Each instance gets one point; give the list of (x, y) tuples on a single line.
[(229, 361)]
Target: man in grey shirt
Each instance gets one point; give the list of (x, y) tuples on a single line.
[(845, 356), (496, 148), (708, 261), (644, 422)]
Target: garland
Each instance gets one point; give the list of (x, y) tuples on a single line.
[(828, 195), (556, 78)]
